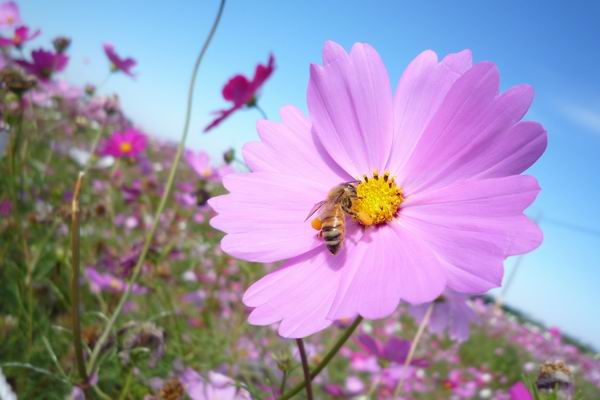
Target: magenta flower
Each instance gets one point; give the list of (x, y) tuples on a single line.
[(44, 64), (519, 392), (19, 38), (117, 63), (242, 92), (5, 208), (450, 313), (9, 14), (128, 143), (440, 202)]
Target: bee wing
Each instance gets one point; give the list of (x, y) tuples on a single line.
[(315, 208)]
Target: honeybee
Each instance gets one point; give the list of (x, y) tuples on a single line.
[(331, 221)]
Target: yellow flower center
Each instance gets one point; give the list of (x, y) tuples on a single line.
[(125, 147), (378, 199)]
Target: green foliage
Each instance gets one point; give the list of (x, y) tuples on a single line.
[(494, 353)]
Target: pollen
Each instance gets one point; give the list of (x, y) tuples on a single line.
[(378, 199), (316, 223), (125, 147)]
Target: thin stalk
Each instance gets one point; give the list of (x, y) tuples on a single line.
[(75, 321), (103, 82), (163, 201), (283, 382), (125, 391), (328, 357), (305, 369), (95, 143), (413, 348), (261, 111)]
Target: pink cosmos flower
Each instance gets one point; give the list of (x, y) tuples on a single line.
[(201, 165), (128, 143), (20, 37), (117, 63), (217, 386), (242, 92), (199, 162), (441, 197), (44, 64), (450, 312), (9, 14)]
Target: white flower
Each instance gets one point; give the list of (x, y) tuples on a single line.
[(6, 392)]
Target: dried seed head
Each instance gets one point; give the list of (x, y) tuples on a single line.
[(144, 335), (16, 80), (171, 390), (556, 377)]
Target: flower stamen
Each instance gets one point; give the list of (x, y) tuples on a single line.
[(378, 201), (125, 147)]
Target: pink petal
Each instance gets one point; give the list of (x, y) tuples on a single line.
[(299, 294), (390, 265), (515, 150), (440, 317), (421, 89), (474, 226), (468, 134), (290, 148), (264, 215), (350, 103)]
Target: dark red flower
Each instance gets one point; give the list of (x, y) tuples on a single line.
[(242, 92)]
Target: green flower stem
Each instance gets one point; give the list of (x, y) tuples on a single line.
[(328, 357), (261, 111), (163, 201), (75, 321)]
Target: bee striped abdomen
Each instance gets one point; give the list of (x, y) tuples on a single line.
[(333, 230)]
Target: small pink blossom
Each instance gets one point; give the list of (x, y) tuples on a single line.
[(451, 313), (199, 162), (9, 14), (105, 282), (215, 386)]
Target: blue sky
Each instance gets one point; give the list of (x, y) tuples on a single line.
[(552, 45)]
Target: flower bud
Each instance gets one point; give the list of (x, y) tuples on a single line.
[(229, 156), (61, 44), (90, 89)]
